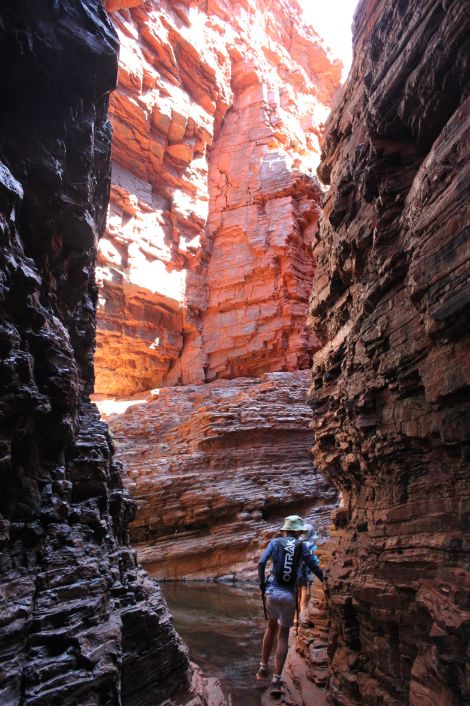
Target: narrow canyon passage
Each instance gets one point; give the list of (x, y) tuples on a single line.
[(261, 342), (207, 264), (204, 275)]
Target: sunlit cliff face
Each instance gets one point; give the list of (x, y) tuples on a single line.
[(216, 125)]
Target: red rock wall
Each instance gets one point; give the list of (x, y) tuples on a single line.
[(206, 265), (391, 383), (214, 468), (80, 623)]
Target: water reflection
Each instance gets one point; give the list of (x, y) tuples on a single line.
[(223, 627)]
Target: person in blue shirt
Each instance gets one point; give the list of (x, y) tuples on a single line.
[(279, 593)]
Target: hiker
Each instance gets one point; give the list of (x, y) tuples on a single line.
[(305, 575), (279, 594)]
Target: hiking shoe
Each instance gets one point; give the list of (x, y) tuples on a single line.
[(262, 673), (276, 686)]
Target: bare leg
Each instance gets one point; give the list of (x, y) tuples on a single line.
[(268, 639), (304, 596), (281, 650)]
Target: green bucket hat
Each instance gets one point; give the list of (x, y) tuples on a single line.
[(293, 523)]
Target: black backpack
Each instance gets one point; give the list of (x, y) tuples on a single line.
[(286, 560)]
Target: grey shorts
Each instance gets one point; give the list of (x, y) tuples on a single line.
[(280, 606)]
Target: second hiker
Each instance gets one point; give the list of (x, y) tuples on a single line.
[(279, 592), (305, 576)]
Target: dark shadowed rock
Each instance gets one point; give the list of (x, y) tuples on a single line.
[(79, 622)]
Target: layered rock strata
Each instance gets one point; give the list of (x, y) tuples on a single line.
[(205, 268), (79, 622), (311, 642), (391, 383), (214, 468)]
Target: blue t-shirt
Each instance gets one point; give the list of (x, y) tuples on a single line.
[(275, 552)]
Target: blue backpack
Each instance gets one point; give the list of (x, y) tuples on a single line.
[(305, 573), (287, 554)]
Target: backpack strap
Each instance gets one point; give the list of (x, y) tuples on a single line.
[(297, 556)]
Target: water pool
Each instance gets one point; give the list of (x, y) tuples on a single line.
[(223, 627)]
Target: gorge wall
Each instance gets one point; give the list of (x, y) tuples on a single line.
[(80, 623), (206, 266), (391, 383), (214, 468)]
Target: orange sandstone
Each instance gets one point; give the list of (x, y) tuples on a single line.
[(206, 264)]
